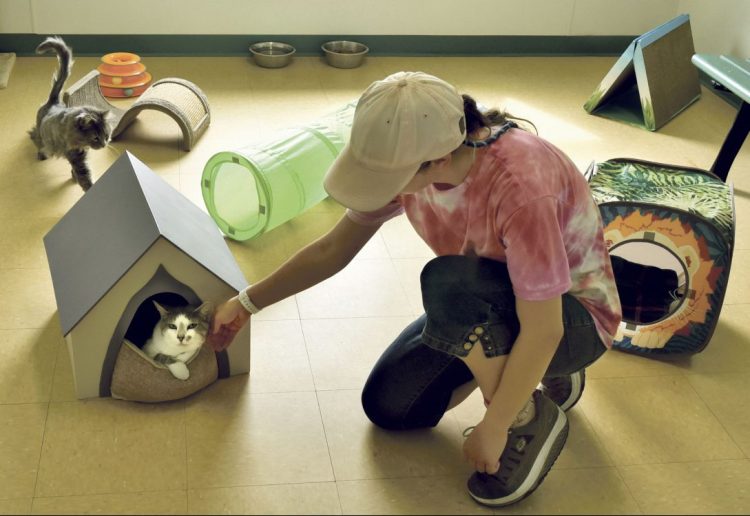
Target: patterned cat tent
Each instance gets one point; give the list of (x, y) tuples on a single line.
[(130, 240), (670, 232)]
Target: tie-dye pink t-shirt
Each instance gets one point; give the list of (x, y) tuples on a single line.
[(525, 203)]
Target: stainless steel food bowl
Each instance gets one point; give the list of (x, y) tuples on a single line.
[(272, 54), (344, 54)]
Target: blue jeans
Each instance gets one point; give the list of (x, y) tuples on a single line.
[(468, 301)]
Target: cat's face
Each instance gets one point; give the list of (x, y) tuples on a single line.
[(94, 128), (185, 326)]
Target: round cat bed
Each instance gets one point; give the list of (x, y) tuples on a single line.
[(136, 377)]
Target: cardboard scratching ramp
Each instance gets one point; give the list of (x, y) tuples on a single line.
[(180, 99), (652, 81)]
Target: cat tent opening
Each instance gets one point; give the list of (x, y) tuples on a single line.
[(130, 240)]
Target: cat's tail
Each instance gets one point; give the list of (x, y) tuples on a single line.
[(65, 59)]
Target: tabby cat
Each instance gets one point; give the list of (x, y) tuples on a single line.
[(68, 132), (178, 336)]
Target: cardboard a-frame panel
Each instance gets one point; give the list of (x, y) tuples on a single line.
[(129, 240), (652, 81)]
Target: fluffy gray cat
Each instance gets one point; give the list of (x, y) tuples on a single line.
[(68, 132), (178, 336)]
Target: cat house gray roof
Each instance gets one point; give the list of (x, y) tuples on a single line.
[(115, 223)]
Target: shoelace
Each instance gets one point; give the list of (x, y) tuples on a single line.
[(511, 457), (557, 383)]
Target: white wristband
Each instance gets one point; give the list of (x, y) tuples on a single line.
[(246, 303)]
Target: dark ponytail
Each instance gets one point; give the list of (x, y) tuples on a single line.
[(476, 119)]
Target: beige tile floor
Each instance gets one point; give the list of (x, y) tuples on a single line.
[(648, 437)]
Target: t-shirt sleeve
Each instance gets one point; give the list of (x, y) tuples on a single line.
[(375, 218), (535, 251)]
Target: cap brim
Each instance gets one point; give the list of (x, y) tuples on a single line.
[(361, 189)]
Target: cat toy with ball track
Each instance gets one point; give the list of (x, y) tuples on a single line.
[(123, 75)]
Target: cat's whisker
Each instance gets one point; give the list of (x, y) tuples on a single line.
[(114, 149)]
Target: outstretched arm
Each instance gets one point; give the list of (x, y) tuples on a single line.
[(312, 264)]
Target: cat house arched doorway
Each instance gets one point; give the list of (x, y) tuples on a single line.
[(137, 322)]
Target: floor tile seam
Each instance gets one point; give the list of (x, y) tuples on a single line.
[(717, 418), (599, 439), (680, 462), (44, 433), (271, 484), (24, 268), (320, 410), (718, 372), (41, 451), (735, 304), (338, 495), (307, 354), (578, 468), (183, 409), (259, 484), (15, 218), (111, 493), (249, 393), (328, 444), (614, 462), (374, 258), (280, 319), (684, 462), (359, 389), (22, 403), (635, 376), (28, 499), (459, 476), (295, 391), (354, 317), (189, 491), (638, 504)]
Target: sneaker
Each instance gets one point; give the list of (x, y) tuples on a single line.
[(565, 390), (529, 454)]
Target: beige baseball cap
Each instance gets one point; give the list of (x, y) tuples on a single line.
[(399, 123)]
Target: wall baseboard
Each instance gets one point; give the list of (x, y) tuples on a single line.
[(309, 45)]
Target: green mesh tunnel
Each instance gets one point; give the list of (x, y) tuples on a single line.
[(255, 189)]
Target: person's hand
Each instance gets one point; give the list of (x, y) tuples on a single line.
[(483, 447), (228, 319)]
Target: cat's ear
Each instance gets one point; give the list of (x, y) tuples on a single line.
[(106, 116), (206, 310), (162, 310), (84, 121)]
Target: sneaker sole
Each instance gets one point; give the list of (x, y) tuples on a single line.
[(576, 384), (543, 463)]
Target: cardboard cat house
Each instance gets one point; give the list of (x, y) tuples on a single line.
[(130, 240)]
